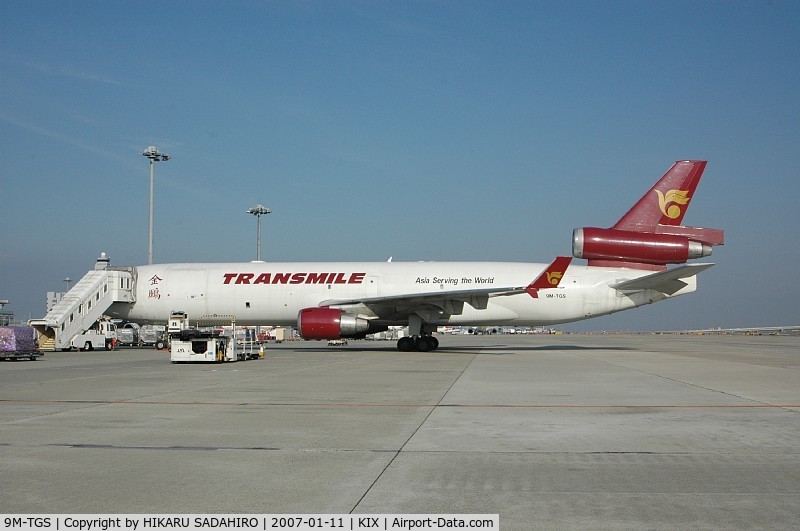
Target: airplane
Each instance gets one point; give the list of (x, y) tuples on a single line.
[(627, 267)]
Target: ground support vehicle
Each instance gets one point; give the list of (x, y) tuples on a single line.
[(247, 346), (127, 336), (90, 340), (18, 342), (153, 335), (192, 345), (102, 337)]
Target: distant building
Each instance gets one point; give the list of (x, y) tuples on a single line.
[(6, 318), (53, 298)]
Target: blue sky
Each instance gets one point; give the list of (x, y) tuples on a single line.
[(447, 130)]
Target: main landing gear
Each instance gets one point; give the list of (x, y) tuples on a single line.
[(420, 343), (420, 336)]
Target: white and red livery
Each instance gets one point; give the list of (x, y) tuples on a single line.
[(627, 267)]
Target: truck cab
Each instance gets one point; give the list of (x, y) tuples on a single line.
[(102, 336)]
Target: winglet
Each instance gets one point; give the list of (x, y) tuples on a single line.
[(550, 277)]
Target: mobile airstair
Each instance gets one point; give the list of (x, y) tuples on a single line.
[(85, 303)]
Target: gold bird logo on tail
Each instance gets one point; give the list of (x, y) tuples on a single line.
[(669, 203)]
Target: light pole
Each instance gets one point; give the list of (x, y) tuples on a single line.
[(257, 211), (154, 155)]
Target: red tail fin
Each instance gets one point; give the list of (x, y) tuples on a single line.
[(650, 235), (667, 201)]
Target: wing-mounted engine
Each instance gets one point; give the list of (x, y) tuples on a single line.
[(332, 323)]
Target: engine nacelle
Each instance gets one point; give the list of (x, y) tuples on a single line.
[(638, 247), (329, 323)]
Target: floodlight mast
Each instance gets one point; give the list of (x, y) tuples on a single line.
[(258, 211), (154, 155)]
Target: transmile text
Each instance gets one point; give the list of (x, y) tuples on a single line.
[(293, 278)]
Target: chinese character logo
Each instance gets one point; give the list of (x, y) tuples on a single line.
[(154, 293)]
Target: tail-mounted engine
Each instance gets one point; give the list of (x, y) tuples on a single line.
[(650, 234), (330, 323), (643, 250)]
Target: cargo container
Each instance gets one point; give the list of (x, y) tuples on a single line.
[(18, 342)]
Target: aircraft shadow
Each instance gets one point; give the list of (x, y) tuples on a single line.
[(532, 348), (484, 349)]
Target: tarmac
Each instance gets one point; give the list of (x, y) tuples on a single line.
[(549, 432)]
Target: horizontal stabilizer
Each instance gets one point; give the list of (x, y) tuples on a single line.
[(668, 282)]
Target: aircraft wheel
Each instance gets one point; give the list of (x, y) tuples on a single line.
[(435, 343), (425, 344), (405, 344)]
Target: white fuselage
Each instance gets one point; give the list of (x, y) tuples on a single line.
[(260, 293)]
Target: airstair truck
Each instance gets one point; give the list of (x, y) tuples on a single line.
[(79, 309)]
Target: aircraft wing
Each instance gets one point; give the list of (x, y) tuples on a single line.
[(452, 301), (668, 282)]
